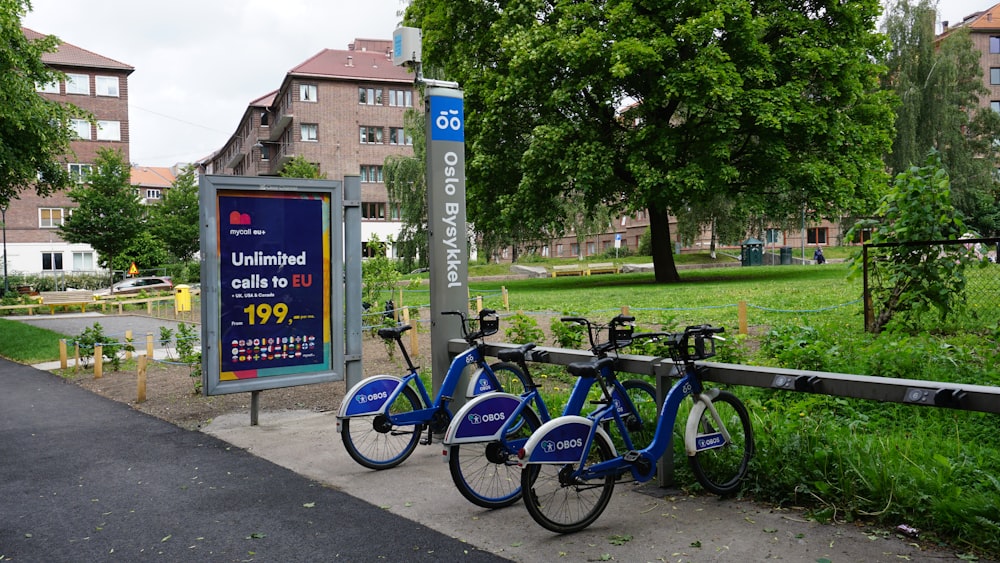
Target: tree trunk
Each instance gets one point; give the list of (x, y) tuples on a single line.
[(665, 271)]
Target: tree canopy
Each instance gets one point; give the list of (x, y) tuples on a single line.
[(34, 131), (299, 167), (939, 83), (175, 221), (109, 215), (647, 104)]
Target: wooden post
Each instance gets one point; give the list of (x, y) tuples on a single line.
[(128, 344), (413, 334), (62, 353), (479, 303), (149, 308), (625, 310), (98, 361), (141, 391), (149, 344), (76, 357), (506, 298), (742, 312)]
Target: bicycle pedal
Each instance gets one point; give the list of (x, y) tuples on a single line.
[(630, 456)]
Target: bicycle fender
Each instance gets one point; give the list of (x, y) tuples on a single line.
[(482, 419), (560, 440), (694, 441), (368, 396), (479, 383)]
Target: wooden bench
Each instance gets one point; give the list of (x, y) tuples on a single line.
[(602, 268), (72, 298), (567, 270)]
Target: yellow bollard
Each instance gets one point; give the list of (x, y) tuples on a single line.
[(506, 298), (141, 382), (62, 353), (98, 361)]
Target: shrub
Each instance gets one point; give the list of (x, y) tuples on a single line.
[(523, 329)]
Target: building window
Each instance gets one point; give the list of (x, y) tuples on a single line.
[(152, 193), (50, 217), (81, 127), (994, 75), (816, 235), (771, 236), (371, 135), (370, 96), (79, 172), (591, 249), (398, 136), (559, 250), (109, 131), (995, 45), (50, 88), (106, 86), (574, 249), (371, 173), (52, 261), (265, 153), (310, 132), (83, 261), (307, 92), (401, 98), (395, 214), (78, 84), (995, 106), (264, 119), (374, 210)]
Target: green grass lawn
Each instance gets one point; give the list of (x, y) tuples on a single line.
[(27, 344)]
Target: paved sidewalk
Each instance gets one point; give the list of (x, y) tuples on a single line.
[(83, 478)]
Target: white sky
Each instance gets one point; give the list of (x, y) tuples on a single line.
[(198, 63)]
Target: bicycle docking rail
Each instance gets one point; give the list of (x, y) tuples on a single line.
[(979, 398)]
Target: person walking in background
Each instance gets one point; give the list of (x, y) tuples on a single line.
[(818, 255)]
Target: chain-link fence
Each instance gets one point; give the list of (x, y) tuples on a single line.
[(966, 269)]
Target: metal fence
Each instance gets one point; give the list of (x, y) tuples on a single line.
[(976, 307)]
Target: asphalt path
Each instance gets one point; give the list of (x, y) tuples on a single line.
[(83, 478)]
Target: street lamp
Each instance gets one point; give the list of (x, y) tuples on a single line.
[(3, 220)]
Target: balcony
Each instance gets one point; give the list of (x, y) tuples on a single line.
[(279, 125)]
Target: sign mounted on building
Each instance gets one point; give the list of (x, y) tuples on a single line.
[(268, 312)]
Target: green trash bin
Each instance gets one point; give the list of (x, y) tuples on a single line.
[(753, 252), (786, 255)]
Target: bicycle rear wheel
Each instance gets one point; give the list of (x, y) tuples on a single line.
[(487, 473), (512, 379), (376, 443), (721, 469), (564, 504)]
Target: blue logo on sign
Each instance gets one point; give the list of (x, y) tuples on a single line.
[(447, 119)]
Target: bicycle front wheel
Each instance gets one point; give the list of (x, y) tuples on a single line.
[(721, 469), (376, 443), (562, 503), (487, 473), (642, 424), (512, 379)]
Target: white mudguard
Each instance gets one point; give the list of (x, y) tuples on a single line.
[(560, 440), (482, 419), (696, 441), (479, 384), (368, 397)]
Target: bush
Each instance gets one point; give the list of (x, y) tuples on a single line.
[(523, 329)]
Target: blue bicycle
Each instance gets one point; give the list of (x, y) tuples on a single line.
[(571, 466), (482, 441), (382, 418)]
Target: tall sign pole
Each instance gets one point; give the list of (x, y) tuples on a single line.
[(446, 221), (449, 251)]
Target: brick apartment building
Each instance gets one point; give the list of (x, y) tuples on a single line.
[(341, 110), (98, 85)]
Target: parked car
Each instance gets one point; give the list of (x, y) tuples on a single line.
[(132, 286)]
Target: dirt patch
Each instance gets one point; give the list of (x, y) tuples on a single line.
[(170, 387)]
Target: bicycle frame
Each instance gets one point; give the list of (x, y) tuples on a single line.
[(567, 441)]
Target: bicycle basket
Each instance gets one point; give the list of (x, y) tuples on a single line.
[(702, 348), (489, 325), (621, 335)]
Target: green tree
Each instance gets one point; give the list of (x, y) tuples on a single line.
[(34, 132), (299, 167), (407, 188), (939, 83), (175, 221), (109, 215), (914, 279), (145, 250), (651, 105)]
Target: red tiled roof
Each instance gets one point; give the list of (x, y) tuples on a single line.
[(353, 65), (152, 176), (71, 55)]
